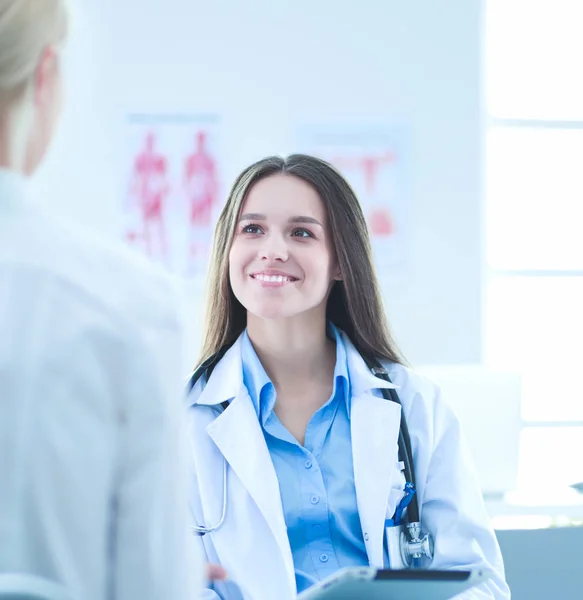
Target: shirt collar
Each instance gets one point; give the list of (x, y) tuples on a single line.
[(255, 377), (260, 387)]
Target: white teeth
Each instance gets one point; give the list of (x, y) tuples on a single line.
[(272, 278)]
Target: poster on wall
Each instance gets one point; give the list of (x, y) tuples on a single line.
[(374, 161), (172, 189)]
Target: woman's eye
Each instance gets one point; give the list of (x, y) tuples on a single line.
[(253, 229), (302, 233)]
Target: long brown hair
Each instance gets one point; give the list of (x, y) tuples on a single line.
[(354, 305)]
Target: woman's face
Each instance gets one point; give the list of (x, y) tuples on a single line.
[(282, 262)]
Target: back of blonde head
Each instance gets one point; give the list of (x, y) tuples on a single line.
[(26, 28)]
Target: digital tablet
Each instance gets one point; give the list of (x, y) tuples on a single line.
[(385, 584)]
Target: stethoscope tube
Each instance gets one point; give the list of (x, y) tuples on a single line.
[(206, 368), (200, 530), (405, 449)]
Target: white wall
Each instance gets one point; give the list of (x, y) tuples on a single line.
[(267, 65)]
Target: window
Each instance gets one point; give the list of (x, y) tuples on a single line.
[(534, 225)]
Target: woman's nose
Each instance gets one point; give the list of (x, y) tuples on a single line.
[(274, 248)]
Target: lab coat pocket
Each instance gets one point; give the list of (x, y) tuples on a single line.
[(396, 493), (393, 528)]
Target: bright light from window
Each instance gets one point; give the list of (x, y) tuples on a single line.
[(534, 208), (533, 56), (551, 457), (535, 198), (535, 325)]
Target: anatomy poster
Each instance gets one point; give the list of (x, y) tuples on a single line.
[(374, 161), (172, 189)]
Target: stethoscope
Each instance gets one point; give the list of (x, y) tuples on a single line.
[(404, 531)]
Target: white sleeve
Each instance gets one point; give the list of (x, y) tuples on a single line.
[(453, 509), (154, 551)]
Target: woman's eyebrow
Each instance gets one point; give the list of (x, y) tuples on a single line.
[(296, 219), (303, 219), (252, 217)]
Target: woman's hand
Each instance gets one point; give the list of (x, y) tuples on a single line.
[(215, 572)]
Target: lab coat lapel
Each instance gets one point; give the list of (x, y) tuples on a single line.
[(374, 425), (375, 434), (238, 435)]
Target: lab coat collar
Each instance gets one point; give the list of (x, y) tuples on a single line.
[(361, 377), (226, 381)]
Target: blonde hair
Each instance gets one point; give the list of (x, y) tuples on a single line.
[(27, 27)]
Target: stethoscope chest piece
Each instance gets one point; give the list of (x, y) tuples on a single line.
[(406, 543)]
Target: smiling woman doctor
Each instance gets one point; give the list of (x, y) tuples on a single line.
[(296, 461)]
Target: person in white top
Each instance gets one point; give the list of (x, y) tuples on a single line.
[(92, 369)]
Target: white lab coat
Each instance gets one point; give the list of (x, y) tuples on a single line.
[(92, 437), (253, 544)]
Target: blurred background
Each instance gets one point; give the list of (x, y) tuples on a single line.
[(460, 125)]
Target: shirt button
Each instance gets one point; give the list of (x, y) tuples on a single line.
[(315, 499), (324, 558), (366, 537), (308, 464)]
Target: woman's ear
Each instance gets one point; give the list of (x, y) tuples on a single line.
[(46, 75)]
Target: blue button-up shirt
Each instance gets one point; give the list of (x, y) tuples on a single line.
[(316, 480)]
